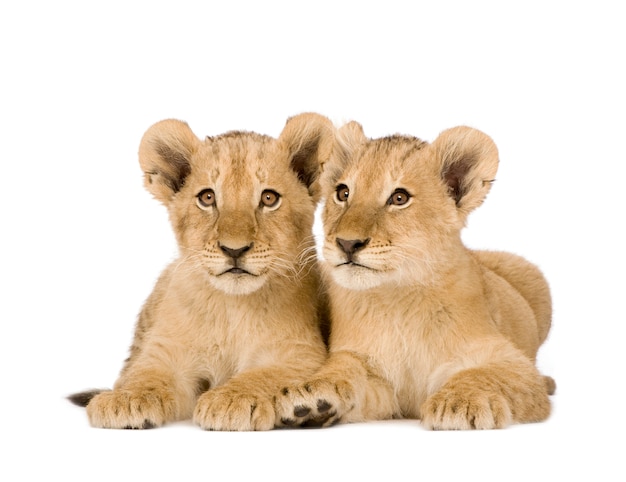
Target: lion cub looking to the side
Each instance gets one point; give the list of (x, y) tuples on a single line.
[(421, 326), (237, 315)]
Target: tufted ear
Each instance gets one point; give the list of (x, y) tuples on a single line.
[(467, 161), (308, 140), (164, 156)]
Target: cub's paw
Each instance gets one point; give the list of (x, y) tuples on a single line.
[(222, 408), (318, 403), (129, 409), (449, 409)]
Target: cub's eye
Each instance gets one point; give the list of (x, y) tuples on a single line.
[(270, 198), (342, 193), (206, 198), (399, 197)]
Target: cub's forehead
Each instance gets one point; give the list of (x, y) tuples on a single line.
[(238, 148), (238, 154), (386, 157)]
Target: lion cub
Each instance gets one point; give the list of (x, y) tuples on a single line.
[(421, 326), (237, 315)]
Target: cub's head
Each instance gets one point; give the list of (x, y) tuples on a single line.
[(241, 204), (394, 206)]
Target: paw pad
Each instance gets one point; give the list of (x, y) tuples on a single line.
[(301, 411), (323, 406), (147, 424)]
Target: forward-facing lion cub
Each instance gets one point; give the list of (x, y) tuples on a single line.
[(237, 315), (421, 326)]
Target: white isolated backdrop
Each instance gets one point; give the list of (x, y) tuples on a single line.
[(83, 242)]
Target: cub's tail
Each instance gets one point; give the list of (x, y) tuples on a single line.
[(550, 384), (83, 398)]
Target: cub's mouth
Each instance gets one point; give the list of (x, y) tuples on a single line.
[(235, 270), (354, 264), (235, 280)]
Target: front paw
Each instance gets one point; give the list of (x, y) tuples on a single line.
[(227, 409), (459, 409), (318, 403), (129, 409)]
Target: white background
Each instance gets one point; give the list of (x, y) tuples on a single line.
[(82, 242)]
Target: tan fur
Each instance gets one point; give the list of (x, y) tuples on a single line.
[(421, 326), (210, 343)]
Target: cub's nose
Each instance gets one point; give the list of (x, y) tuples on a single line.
[(235, 253), (351, 246)]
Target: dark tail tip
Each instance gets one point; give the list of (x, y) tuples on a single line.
[(550, 385), (83, 398)]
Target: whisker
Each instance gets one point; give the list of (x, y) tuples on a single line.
[(189, 262), (284, 264)]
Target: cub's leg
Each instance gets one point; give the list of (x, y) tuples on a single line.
[(246, 401), (492, 395), (345, 389), (151, 391)]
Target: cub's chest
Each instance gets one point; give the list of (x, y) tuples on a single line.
[(205, 318), (401, 333)]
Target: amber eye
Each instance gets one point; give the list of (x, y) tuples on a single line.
[(206, 198), (342, 193), (269, 198), (399, 197)]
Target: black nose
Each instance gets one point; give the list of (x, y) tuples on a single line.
[(351, 246), (235, 253)]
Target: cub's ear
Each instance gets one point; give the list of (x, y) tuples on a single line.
[(348, 138), (467, 161), (164, 156), (308, 140)]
